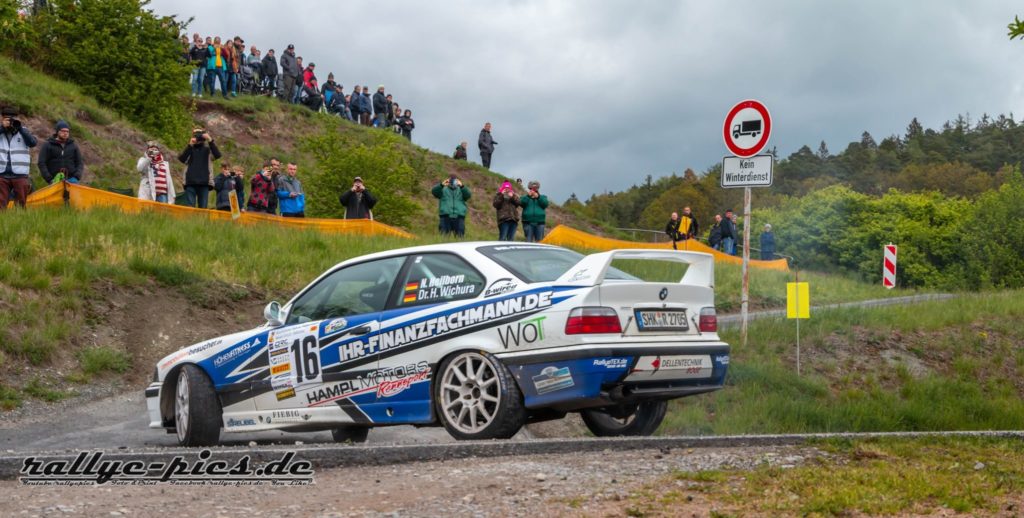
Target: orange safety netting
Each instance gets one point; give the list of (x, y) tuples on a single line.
[(567, 236), (82, 197)]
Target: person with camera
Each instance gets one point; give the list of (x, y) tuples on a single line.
[(358, 201), (451, 206), (506, 204), (486, 145), (535, 207), (15, 141), (289, 191), (156, 183), (198, 158), (263, 187), (406, 124), (59, 157), (229, 179)]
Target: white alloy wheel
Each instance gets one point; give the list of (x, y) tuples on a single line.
[(478, 399)]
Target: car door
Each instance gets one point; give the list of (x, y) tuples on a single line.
[(323, 332)]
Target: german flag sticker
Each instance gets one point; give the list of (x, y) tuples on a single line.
[(409, 297), (412, 286)]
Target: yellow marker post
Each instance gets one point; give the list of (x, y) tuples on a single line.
[(798, 306), (233, 199)]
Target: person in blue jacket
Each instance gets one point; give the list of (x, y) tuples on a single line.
[(289, 192), (767, 243)]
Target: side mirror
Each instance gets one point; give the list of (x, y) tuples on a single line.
[(273, 314)]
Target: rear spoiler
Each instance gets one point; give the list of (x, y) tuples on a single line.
[(590, 271)]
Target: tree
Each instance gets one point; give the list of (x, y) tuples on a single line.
[(1016, 28), (823, 151)]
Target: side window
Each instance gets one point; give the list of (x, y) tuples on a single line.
[(436, 278), (355, 290)]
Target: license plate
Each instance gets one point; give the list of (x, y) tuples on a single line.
[(661, 320)]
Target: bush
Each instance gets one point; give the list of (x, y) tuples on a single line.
[(995, 240), (99, 359)]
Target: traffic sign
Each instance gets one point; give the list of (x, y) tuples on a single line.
[(755, 171), (747, 128), (889, 267)]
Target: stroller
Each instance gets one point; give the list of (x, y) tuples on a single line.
[(249, 84)]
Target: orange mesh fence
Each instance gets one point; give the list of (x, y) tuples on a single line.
[(566, 236), (82, 197)]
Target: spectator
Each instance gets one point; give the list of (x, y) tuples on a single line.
[(269, 68), (736, 232), (59, 157), (460, 151), (255, 64), (396, 114), (534, 212), (229, 180), (289, 191), (216, 68), (406, 124), (338, 104), (715, 234), (328, 89), (519, 183), (728, 234), (310, 95), (767, 243), (486, 145), (365, 107), (15, 159), (688, 226), (156, 183), (198, 158), (198, 54), (358, 201), (506, 204), (354, 103), (672, 229), (262, 187), (236, 59), (392, 117), (289, 69), (380, 108), (275, 176), (451, 206), (185, 57), (299, 80)]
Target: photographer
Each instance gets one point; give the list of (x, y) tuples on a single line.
[(534, 206), (15, 141), (451, 206), (229, 180), (156, 184), (198, 157), (59, 157), (358, 201), (406, 124), (263, 187), (506, 204)]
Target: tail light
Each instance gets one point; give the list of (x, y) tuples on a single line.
[(708, 320), (592, 320)]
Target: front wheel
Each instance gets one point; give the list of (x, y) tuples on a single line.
[(197, 413), (477, 398), (638, 419)]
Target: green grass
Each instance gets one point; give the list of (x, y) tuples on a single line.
[(878, 477), (9, 398), (37, 389), (99, 359)]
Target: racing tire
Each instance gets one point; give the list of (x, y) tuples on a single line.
[(640, 419), (353, 434), (197, 412), (477, 399)]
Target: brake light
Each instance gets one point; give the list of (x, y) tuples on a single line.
[(708, 320), (592, 320)]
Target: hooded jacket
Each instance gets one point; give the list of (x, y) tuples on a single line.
[(199, 161), (506, 207), (451, 200), (289, 66), (224, 184), (269, 65), (54, 156), (534, 211), (286, 185)]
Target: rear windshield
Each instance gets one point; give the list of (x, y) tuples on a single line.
[(540, 263)]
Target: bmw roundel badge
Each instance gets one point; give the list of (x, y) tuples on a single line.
[(663, 294)]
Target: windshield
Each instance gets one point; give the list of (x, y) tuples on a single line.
[(540, 263)]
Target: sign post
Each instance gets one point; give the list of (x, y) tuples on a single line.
[(798, 306), (745, 132), (889, 267)]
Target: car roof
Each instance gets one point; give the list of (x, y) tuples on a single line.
[(460, 248)]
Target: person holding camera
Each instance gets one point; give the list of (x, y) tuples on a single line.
[(406, 124), (15, 141), (229, 179), (198, 158), (156, 184), (59, 157), (263, 187), (451, 206), (358, 201), (534, 206), (506, 204)]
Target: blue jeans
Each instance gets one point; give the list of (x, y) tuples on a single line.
[(453, 225), (729, 245), (233, 83), (197, 195), (507, 230), (534, 232), (161, 198), (198, 79)]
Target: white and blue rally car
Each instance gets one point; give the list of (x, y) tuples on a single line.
[(478, 337)]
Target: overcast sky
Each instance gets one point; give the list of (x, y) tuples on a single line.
[(590, 96)]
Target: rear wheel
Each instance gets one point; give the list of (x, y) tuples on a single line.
[(351, 434), (477, 398), (638, 419), (197, 413)]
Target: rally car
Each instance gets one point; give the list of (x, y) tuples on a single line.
[(480, 338)]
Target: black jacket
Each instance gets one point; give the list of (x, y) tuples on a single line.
[(54, 156), (405, 125), (223, 185), (728, 228), (290, 67), (380, 103), (269, 66), (715, 235), (672, 229), (485, 142), (356, 206), (197, 158)]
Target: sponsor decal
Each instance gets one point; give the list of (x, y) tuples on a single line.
[(410, 292), (522, 333), (669, 367), (174, 359), (235, 423), (436, 326), (335, 325), (202, 347), (369, 382), (551, 379), (287, 393), (501, 287), (722, 359), (611, 363), (287, 416), (280, 369), (282, 381), (236, 352), (276, 354), (443, 287), (580, 275), (391, 388)]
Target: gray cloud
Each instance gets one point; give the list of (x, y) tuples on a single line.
[(593, 96)]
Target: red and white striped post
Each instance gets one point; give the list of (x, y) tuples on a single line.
[(889, 267)]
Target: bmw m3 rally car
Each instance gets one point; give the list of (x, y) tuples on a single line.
[(478, 337)]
